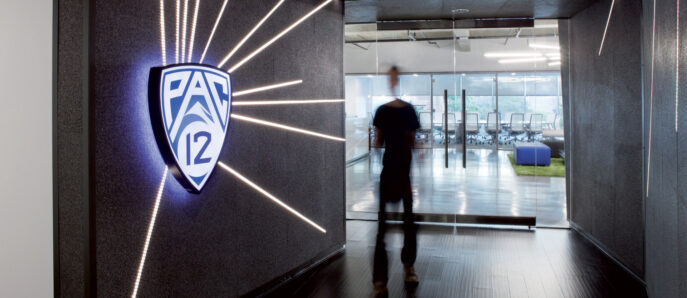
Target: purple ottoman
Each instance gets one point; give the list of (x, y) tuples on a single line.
[(532, 154)]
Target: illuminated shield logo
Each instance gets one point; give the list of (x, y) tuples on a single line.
[(189, 108)]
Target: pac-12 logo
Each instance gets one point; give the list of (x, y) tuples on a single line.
[(189, 108)]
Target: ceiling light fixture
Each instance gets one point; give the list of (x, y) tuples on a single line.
[(544, 46), (511, 54), (521, 60), (554, 63)]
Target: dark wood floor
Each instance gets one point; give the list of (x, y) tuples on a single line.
[(472, 262)]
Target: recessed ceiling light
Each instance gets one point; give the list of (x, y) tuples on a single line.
[(460, 11), (554, 63)]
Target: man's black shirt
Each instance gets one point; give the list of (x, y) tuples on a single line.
[(397, 125)]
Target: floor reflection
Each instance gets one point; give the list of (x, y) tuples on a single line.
[(488, 186)]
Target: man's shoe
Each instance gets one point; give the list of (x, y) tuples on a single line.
[(380, 291), (410, 276)]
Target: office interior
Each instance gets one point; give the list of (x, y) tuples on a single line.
[(592, 89)]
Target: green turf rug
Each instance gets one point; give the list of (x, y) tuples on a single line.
[(556, 169)]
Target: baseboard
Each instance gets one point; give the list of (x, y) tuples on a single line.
[(606, 251), (283, 280)]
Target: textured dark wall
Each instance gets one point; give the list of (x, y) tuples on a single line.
[(71, 157), (606, 106), (666, 204), (230, 239)]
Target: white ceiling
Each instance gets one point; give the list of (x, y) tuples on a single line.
[(421, 56)]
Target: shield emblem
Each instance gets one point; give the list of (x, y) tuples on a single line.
[(189, 109)]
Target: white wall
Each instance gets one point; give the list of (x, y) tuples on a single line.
[(26, 246)]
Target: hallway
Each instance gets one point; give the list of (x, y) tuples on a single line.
[(472, 262)]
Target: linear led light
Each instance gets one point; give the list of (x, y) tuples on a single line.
[(511, 54), (554, 63), (677, 64), (162, 32), (176, 48), (183, 32), (285, 127), (268, 87), (282, 102), (553, 54), (544, 46), (219, 16), (193, 32), (651, 98), (250, 33), (271, 197), (608, 21), (267, 44), (151, 226), (555, 58), (521, 60)]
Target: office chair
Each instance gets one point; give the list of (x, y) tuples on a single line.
[(472, 126), (493, 128), (451, 127), (425, 131), (516, 126), (535, 126)]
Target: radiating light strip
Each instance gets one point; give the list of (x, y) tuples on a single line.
[(219, 16), (264, 46), (290, 128), (554, 63), (162, 33), (193, 32), (268, 87), (183, 32), (651, 98), (544, 46), (151, 225), (282, 102), (176, 48), (271, 197), (677, 65), (608, 21), (250, 33), (521, 60), (511, 54)]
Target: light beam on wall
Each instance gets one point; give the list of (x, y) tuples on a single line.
[(193, 32), (265, 88), (282, 102), (285, 127), (250, 33), (608, 21), (183, 32), (151, 226), (677, 64), (267, 44), (651, 99), (271, 197), (212, 33), (176, 46), (162, 32)]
